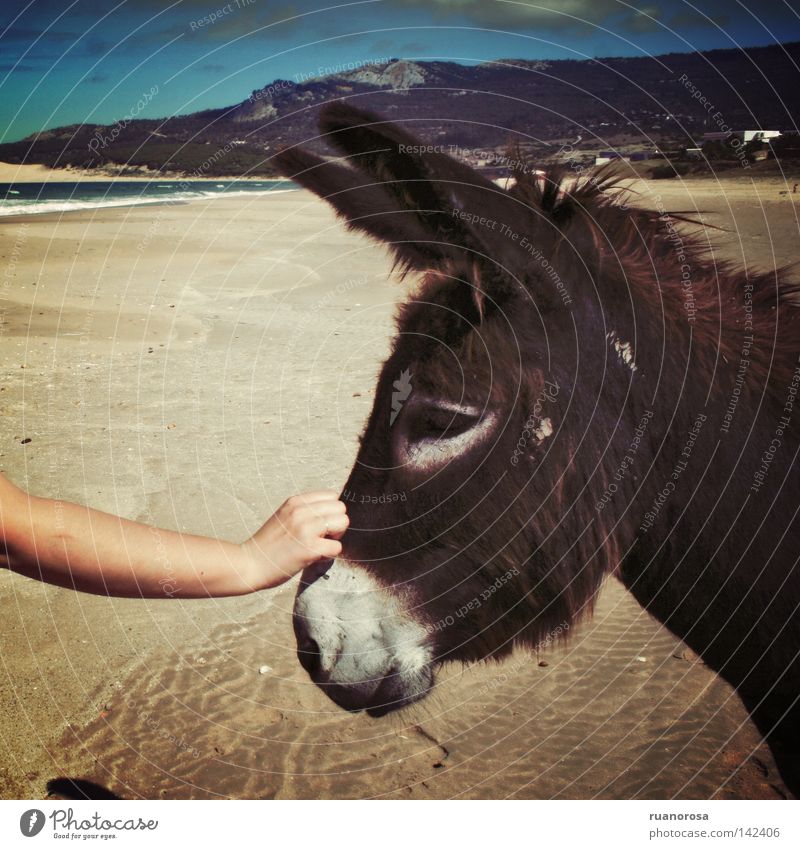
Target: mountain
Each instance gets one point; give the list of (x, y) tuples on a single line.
[(623, 102)]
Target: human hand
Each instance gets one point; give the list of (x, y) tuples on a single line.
[(304, 529)]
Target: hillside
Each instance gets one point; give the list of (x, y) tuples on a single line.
[(539, 104)]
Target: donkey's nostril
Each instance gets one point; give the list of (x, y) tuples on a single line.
[(309, 654)]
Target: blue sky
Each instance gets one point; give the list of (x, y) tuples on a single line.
[(65, 62)]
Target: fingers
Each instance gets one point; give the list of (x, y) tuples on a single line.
[(327, 508), (314, 497), (305, 528), (325, 519), (319, 517), (334, 524), (306, 522), (327, 549)]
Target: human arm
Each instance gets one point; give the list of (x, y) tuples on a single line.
[(85, 549)]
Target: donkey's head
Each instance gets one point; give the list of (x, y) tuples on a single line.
[(466, 534)]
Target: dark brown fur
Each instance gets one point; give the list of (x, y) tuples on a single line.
[(499, 318)]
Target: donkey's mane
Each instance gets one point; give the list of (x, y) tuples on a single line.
[(638, 246)]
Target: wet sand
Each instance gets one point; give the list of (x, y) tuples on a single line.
[(193, 365)]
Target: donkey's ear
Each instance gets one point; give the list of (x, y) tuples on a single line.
[(366, 206), (416, 174), (453, 202)]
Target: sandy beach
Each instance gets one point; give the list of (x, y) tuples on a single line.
[(32, 173), (192, 365)]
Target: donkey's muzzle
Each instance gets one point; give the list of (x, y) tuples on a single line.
[(357, 642)]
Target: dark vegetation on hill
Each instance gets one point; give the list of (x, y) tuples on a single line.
[(655, 103)]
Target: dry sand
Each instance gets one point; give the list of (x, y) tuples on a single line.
[(192, 365), (31, 173)]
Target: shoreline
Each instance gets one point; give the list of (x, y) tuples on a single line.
[(15, 217), (669, 195), (13, 208)]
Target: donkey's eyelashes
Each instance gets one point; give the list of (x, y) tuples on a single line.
[(433, 433), (439, 423)]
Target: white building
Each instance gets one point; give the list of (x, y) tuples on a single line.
[(743, 135)]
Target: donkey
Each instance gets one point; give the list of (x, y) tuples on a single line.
[(585, 391)]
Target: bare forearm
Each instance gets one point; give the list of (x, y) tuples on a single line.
[(85, 549), (95, 552)]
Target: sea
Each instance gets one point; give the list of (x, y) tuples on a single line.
[(31, 198)]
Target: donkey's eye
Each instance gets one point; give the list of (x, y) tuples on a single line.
[(433, 433), (437, 423)]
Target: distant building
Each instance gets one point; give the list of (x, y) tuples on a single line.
[(609, 156), (743, 135)]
